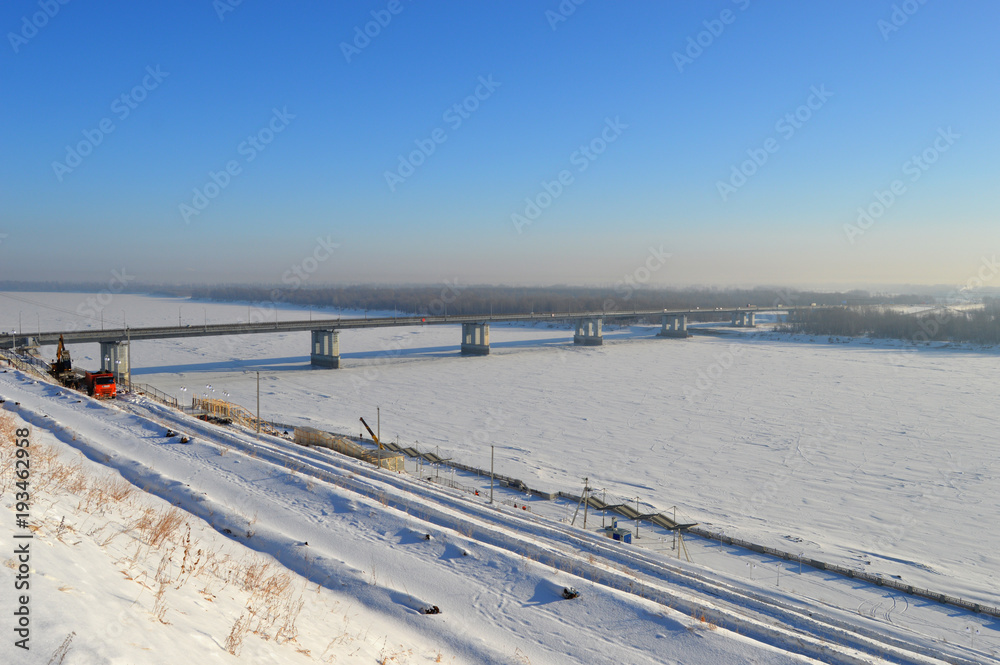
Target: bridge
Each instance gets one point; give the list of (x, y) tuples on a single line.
[(325, 348)]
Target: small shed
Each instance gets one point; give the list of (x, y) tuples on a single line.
[(615, 533)]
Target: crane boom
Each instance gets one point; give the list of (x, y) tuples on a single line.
[(372, 433)]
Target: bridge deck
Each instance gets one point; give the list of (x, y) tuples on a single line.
[(11, 340)]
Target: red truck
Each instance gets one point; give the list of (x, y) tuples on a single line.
[(100, 384), (97, 384)]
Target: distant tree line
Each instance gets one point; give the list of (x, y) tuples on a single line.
[(980, 326), (463, 300), (457, 299)]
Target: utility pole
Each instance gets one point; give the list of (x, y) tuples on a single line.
[(258, 404), (604, 513), (636, 518), (583, 497), (586, 501), (128, 346), (378, 422), (491, 473)]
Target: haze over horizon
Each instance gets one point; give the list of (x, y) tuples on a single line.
[(832, 144)]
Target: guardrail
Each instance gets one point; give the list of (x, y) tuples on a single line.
[(661, 520), (850, 572), (25, 363), (150, 391), (10, 340)]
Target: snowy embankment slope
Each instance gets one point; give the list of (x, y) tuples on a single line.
[(862, 455), (495, 575)]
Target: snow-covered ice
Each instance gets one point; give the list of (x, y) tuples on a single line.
[(857, 453)]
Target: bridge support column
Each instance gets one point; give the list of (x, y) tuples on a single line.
[(588, 332), (325, 349), (475, 339), (744, 319), (114, 359), (674, 325)]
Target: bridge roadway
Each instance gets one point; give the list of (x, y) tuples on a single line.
[(11, 340)]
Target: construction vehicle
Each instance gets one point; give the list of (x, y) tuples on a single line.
[(380, 446), (97, 384), (100, 384), (62, 362)]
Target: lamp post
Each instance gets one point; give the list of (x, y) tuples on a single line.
[(491, 473), (128, 347)]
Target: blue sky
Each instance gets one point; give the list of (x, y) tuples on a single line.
[(741, 138)]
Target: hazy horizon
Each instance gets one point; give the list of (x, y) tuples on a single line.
[(832, 145)]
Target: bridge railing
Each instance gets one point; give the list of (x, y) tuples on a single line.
[(153, 393), (25, 363)]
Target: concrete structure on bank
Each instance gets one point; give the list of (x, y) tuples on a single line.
[(115, 359), (589, 332), (674, 325), (475, 339), (744, 319), (325, 349)]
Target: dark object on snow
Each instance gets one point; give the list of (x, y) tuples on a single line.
[(427, 536), (569, 593), (184, 439), (433, 609), (170, 433)]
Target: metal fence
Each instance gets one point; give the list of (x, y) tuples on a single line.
[(850, 572), (153, 393), (660, 519), (40, 368), (26, 363)]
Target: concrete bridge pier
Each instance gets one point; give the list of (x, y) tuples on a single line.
[(744, 319), (674, 325), (114, 359), (325, 349), (588, 332), (475, 339)]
